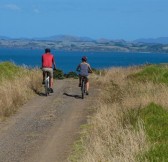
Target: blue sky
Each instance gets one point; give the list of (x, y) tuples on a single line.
[(111, 19)]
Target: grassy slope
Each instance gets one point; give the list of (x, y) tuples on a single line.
[(154, 73), (156, 123), (8, 70), (131, 118), (17, 85), (155, 117)]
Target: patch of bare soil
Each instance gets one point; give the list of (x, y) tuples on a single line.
[(45, 128)]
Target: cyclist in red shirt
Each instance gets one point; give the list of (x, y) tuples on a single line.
[(47, 65)]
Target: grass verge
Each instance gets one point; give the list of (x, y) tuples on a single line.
[(154, 73), (17, 85), (130, 119), (8, 70), (155, 120)]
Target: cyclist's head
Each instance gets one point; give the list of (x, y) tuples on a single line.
[(84, 58), (47, 50)]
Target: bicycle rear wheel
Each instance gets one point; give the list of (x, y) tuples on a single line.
[(83, 89), (47, 88)]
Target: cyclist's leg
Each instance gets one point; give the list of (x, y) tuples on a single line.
[(51, 82), (87, 85), (80, 80), (44, 71), (50, 70), (43, 77)]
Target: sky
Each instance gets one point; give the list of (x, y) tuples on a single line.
[(110, 19)]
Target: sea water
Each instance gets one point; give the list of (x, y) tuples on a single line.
[(68, 60)]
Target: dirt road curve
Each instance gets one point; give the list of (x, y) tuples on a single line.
[(45, 128)]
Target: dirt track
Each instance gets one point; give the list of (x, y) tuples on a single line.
[(45, 128)]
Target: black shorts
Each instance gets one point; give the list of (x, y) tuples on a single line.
[(87, 79)]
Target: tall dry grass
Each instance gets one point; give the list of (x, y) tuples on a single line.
[(16, 91), (112, 137)]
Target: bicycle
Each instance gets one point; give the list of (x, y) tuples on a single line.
[(83, 85), (47, 83)]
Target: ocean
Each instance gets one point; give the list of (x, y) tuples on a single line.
[(68, 61)]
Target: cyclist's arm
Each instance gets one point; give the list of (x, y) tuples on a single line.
[(53, 61), (90, 69), (42, 62), (78, 68)]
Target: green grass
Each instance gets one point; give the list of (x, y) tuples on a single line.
[(155, 117), (155, 120), (78, 147), (154, 73), (8, 70), (156, 124)]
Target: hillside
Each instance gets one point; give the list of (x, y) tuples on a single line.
[(160, 40), (70, 43)]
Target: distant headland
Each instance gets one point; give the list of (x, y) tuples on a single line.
[(73, 43)]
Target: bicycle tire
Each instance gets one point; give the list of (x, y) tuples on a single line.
[(83, 89), (47, 88)]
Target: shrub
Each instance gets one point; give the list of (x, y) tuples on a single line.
[(58, 74), (71, 75)]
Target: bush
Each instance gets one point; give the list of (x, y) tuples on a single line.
[(58, 74), (71, 75)]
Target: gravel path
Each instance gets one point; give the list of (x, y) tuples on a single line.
[(44, 129)]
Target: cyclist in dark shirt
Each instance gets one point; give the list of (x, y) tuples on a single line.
[(84, 70)]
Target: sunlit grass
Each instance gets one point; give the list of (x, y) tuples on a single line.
[(17, 85), (130, 119), (154, 73), (8, 70), (156, 125)]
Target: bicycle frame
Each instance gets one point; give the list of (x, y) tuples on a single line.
[(47, 83)]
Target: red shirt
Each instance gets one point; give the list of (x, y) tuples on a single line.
[(47, 60)]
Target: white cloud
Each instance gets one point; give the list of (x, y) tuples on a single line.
[(12, 7)]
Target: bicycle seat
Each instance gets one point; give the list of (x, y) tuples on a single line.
[(83, 78)]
